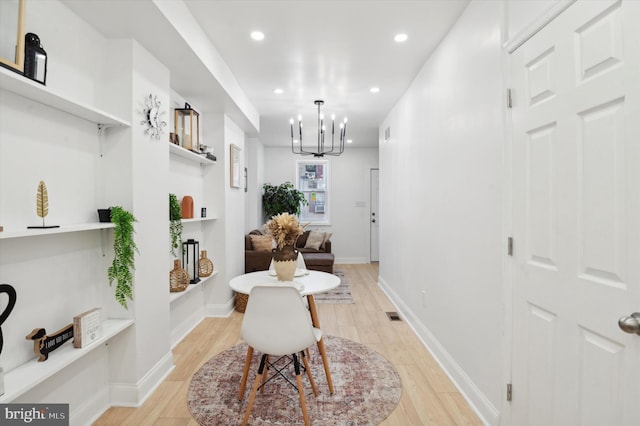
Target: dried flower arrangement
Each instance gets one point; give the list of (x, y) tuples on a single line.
[(284, 228)]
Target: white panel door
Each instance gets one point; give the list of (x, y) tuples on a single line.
[(374, 225), (576, 195)]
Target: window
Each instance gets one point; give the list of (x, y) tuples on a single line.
[(312, 178)]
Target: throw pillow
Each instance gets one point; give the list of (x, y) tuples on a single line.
[(327, 236), (261, 242), (315, 240)]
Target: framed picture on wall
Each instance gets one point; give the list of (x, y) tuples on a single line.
[(235, 165)]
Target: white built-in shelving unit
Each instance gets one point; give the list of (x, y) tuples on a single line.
[(178, 294), (37, 232), (28, 375), (190, 155), (29, 89), (192, 174)]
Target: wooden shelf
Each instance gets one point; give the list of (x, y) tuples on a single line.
[(177, 295), (27, 88), (189, 155), (28, 375), (24, 232)]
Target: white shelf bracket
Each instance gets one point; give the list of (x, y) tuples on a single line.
[(103, 240), (101, 136)]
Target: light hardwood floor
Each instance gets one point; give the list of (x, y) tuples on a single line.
[(428, 396)]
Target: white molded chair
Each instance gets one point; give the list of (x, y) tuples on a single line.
[(276, 322)]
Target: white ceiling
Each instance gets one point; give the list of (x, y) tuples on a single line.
[(334, 50)]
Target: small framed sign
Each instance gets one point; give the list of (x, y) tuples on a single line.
[(235, 165)]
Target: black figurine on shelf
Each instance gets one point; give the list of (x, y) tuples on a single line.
[(11, 293), (35, 59)]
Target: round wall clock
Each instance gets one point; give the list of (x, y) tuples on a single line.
[(152, 119)]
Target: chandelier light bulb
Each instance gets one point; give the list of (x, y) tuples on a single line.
[(345, 120), (291, 121), (333, 117), (299, 117)]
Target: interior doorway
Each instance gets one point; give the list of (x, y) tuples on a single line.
[(374, 219), (576, 219)]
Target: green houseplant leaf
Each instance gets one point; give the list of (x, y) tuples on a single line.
[(175, 223), (284, 198), (124, 247)]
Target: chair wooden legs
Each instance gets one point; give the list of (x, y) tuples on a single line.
[(325, 362), (303, 402), (245, 373), (254, 390), (308, 370), (316, 323), (259, 379), (265, 375)]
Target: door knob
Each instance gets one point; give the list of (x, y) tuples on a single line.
[(630, 324), (373, 220)]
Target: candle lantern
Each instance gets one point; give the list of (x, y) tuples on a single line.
[(187, 127), (190, 259), (35, 59)]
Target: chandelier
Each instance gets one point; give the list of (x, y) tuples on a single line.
[(322, 149)]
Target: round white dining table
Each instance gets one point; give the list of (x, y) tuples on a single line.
[(308, 282)]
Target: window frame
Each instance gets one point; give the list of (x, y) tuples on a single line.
[(325, 219)]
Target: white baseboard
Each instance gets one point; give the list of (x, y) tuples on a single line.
[(471, 393), (180, 332), (351, 260), (134, 395), (220, 309), (91, 409)]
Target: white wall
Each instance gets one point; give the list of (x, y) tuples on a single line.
[(255, 175), (349, 196), (441, 205)]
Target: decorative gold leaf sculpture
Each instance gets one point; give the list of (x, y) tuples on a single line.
[(42, 201)]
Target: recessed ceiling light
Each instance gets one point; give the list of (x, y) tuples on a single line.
[(257, 35), (400, 38), (349, 140), (278, 91), (374, 89)]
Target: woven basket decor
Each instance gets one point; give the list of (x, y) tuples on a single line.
[(178, 277), (240, 302), (205, 267)]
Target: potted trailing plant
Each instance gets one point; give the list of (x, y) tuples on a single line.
[(175, 223), (284, 198), (124, 248)]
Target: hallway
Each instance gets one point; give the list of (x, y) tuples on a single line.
[(428, 398)]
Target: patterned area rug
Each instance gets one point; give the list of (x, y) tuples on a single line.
[(367, 389), (341, 294)]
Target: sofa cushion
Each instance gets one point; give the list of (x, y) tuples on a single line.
[(315, 240), (261, 242)]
